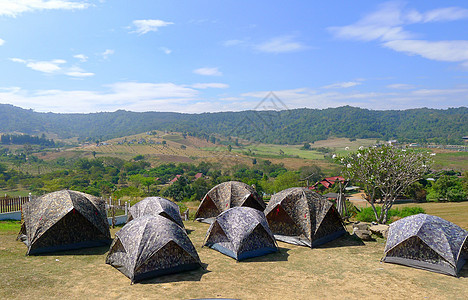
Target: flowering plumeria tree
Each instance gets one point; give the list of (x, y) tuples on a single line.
[(384, 173)]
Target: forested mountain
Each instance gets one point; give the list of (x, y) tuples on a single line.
[(281, 127)]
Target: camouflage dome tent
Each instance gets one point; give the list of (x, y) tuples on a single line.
[(427, 242), (156, 206), (241, 232), (303, 217), (151, 246), (226, 195), (64, 220)]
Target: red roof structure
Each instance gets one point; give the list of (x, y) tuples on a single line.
[(198, 175), (328, 182), (175, 179)]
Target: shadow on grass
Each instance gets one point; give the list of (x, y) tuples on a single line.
[(281, 255), (189, 231), (84, 251), (194, 275), (346, 240)]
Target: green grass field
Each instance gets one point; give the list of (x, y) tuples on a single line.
[(452, 160), (338, 145)]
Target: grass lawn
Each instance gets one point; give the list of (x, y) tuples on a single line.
[(455, 212), (451, 160), (344, 268)]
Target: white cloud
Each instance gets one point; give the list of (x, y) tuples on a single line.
[(2, 42), (18, 60), (52, 66), (231, 43), (208, 72), (107, 53), (14, 8), (79, 74), (137, 96), (153, 90), (231, 98), (122, 95), (445, 14), (165, 50), (210, 85), (451, 51), (305, 97), (45, 66), (341, 85), (81, 57), (282, 44), (145, 26), (401, 86), (369, 32), (387, 25)]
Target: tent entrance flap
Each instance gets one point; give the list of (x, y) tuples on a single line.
[(168, 259), (207, 209), (73, 231), (283, 224), (253, 203)]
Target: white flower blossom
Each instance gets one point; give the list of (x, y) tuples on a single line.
[(361, 147), (359, 155), (432, 154), (348, 166), (334, 156), (346, 148)]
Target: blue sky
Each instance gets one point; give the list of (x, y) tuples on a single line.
[(207, 56)]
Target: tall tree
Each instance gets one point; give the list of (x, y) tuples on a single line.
[(384, 172)]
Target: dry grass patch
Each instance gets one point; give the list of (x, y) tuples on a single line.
[(345, 268)]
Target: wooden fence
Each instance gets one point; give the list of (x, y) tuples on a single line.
[(8, 204), (12, 204)]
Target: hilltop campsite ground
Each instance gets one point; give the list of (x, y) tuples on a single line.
[(343, 269)]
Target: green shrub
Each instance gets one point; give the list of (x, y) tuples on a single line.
[(409, 211), (367, 214), (182, 206)]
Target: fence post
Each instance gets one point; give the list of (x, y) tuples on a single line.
[(126, 208)]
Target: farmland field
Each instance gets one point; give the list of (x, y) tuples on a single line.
[(451, 160), (194, 150)]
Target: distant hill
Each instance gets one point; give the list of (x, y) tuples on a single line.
[(280, 127)]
